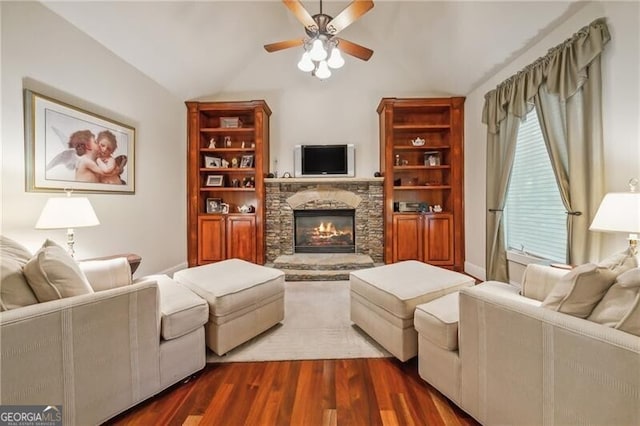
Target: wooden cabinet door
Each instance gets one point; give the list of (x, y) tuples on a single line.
[(438, 239), (407, 237), (211, 241), (241, 237)]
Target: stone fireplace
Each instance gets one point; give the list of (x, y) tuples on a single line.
[(287, 196), (324, 231)]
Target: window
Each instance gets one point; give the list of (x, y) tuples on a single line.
[(534, 216)]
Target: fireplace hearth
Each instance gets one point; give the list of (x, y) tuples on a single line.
[(324, 231)]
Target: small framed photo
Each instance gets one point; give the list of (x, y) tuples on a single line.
[(230, 122), (215, 180), (225, 208), (432, 158), (246, 161), (212, 162), (214, 205)]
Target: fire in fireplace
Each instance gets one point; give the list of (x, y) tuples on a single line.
[(324, 231)]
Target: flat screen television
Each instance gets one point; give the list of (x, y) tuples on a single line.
[(324, 160)]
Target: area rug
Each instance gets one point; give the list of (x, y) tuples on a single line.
[(316, 326)]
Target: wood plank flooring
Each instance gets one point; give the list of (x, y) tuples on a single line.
[(375, 391)]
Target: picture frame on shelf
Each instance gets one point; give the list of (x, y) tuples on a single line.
[(214, 205), (212, 162), (215, 180), (60, 139), (225, 208), (246, 161), (431, 158), (230, 122)]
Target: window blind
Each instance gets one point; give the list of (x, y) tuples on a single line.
[(535, 218)]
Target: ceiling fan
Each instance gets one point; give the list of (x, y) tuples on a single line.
[(321, 37)]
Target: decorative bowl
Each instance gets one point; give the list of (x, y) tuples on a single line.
[(417, 141)]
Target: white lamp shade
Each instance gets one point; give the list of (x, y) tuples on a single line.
[(67, 212), (618, 212)]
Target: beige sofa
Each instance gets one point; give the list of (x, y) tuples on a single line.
[(514, 361), (99, 353)]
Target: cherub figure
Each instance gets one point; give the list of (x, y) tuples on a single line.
[(111, 167)]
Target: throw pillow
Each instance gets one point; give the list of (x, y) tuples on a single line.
[(578, 292), (14, 290), (615, 305), (14, 250), (631, 322), (629, 279), (53, 274), (620, 262)]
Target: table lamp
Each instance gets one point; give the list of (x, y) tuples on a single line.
[(620, 212), (67, 212)]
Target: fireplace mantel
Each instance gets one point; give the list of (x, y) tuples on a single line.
[(322, 180)]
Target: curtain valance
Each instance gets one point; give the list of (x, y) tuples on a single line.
[(563, 68)]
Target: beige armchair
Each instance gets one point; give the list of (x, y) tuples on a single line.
[(100, 353), (517, 362)]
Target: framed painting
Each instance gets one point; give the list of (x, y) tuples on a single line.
[(70, 148)]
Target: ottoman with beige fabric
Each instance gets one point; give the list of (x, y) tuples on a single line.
[(384, 298), (244, 300)]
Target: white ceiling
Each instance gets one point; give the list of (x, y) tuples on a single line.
[(199, 49)]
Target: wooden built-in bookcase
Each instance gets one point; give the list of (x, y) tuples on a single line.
[(420, 176), (227, 161)]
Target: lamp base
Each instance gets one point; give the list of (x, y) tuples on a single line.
[(70, 242)]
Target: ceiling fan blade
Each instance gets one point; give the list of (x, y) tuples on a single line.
[(281, 45), (349, 15), (301, 13), (354, 49)]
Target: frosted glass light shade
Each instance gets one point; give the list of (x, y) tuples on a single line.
[(67, 212), (318, 52), (335, 60), (305, 63), (323, 70)]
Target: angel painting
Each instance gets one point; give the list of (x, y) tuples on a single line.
[(91, 157), (70, 148)]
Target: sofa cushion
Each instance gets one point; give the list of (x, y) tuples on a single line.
[(53, 274), (14, 289), (437, 321), (578, 292), (182, 310)]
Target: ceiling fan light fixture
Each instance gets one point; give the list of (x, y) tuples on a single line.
[(306, 64), (323, 71), (335, 60), (318, 52)]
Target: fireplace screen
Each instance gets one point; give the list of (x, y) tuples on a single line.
[(324, 231)]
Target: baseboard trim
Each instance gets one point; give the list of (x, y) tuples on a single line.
[(475, 271)]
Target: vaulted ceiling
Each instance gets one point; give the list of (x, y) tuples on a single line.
[(201, 48)]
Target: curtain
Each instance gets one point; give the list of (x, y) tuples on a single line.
[(501, 149), (567, 79)]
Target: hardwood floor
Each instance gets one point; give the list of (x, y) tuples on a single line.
[(374, 391)]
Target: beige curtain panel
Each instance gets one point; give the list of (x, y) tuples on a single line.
[(565, 86)]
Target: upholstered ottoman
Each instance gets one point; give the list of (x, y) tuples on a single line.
[(438, 359), (384, 298), (244, 300)]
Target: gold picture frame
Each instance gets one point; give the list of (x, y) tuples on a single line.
[(70, 148)]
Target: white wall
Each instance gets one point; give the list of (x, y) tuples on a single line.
[(621, 113), (42, 52)]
